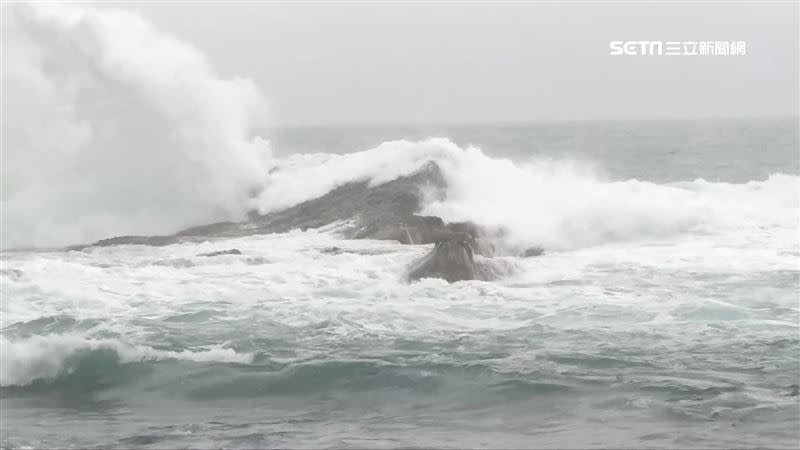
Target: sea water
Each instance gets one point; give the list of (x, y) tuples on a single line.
[(664, 313)]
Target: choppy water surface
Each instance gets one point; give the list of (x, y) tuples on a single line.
[(675, 325)]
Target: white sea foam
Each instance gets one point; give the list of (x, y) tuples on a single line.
[(120, 129), (558, 204), (113, 127), (23, 361), (288, 279)]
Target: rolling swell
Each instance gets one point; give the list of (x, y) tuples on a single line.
[(94, 366), (57, 358), (83, 372), (100, 379), (87, 372)]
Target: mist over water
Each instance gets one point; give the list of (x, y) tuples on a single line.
[(120, 129), (114, 128)]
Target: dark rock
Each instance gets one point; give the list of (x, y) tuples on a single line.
[(361, 211), (466, 227), (431, 221), (532, 251), (156, 241), (376, 208), (398, 232), (452, 260), (420, 230), (232, 251), (386, 211), (212, 229), (455, 260), (14, 274)]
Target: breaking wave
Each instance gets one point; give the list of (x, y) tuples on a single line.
[(559, 204), (50, 357), (115, 127), (119, 129)]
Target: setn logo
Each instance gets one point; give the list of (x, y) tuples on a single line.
[(646, 48)]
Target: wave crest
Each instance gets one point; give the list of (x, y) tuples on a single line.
[(557, 204), (25, 361), (118, 128)]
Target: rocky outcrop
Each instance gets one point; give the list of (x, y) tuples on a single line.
[(378, 212), (156, 241), (420, 230), (361, 211), (452, 260), (455, 260)]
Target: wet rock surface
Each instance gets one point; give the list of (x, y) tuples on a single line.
[(451, 260), (361, 211)]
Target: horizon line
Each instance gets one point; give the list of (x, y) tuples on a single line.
[(409, 123)]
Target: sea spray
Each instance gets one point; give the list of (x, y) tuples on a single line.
[(119, 129), (554, 203), (113, 127)]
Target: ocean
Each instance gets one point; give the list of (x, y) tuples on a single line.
[(665, 311)]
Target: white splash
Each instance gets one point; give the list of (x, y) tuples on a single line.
[(558, 204), (113, 127), (23, 361)]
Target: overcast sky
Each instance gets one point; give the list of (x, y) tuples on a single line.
[(450, 63)]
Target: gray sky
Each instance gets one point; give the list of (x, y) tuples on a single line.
[(448, 63)]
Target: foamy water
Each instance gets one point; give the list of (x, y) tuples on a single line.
[(664, 312), (676, 341)]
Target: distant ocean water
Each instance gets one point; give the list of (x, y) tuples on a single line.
[(664, 313), (731, 150)]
